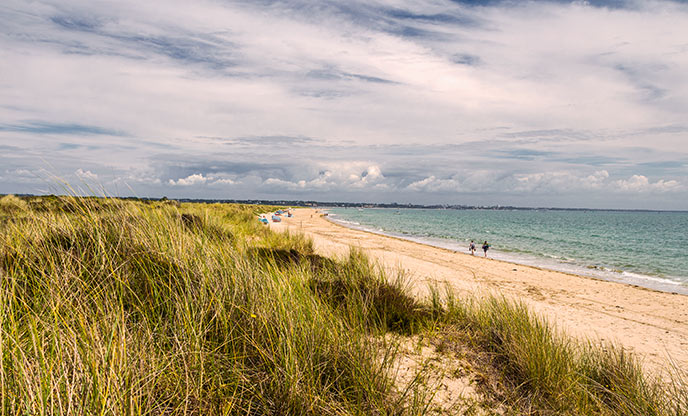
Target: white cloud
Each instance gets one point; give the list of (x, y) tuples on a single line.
[(545, 183), (596, 180), (433, 184), (344, 176), (224, 182), (641, 184), (201, 179), (195, 179), (559, 182), (86, 175)]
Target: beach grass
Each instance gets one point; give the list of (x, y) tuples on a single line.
[(138, 307), (112, 307), (536, 369)]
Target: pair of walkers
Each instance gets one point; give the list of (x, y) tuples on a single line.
[(471, 248)]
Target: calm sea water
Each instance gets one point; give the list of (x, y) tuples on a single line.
[(649, 249)]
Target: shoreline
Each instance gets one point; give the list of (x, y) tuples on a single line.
[(513, 263), (652, 323), (661, 285)]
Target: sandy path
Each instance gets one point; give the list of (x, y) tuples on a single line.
[(653, 324)]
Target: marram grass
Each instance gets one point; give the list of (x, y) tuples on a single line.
[(154, 309), (128, 308), (538, 370)]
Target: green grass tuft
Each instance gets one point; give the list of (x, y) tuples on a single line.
[(361, 292)]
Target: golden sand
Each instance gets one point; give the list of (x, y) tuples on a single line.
[(652, 324)]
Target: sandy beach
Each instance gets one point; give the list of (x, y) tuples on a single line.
[(652, 324)]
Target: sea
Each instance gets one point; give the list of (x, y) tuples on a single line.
[(648, 249)]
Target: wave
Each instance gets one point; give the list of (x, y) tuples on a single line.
[(541, 260)]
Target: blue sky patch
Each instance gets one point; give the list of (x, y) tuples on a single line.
[(43, 127)]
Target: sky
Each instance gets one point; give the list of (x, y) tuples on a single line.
[(526, 103)]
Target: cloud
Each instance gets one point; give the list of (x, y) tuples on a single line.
[(405, 99), (433, 184), (224, 182), (599, 182), (332, 74), (342, 176), (86, 175), (195, 179), (23, 176), (199, 179), (263, 140), (641, 184), (543, 183)]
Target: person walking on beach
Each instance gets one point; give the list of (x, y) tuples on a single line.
[(485, 247), (471, 248)]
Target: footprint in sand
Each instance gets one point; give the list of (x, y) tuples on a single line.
[(535, 292)]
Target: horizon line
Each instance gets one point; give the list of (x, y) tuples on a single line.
[(343, 204)]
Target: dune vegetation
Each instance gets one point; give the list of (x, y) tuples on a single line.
[(132, 307)]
